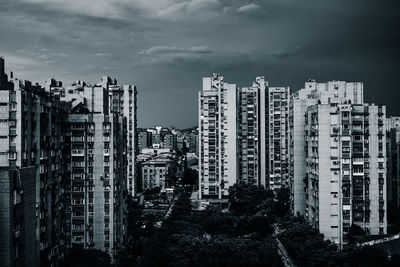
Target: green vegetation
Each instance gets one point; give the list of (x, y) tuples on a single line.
[(190, 177), (78, 257), (243, 235)]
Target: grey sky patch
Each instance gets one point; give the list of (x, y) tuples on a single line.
[(165, 47)]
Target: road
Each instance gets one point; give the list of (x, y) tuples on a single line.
[(287, 260)]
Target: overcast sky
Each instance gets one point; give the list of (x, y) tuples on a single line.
[(165, 47)]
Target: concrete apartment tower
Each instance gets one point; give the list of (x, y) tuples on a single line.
[(33, 173), (278, 137), (123, 100), (252, 103), (243, 135), (217, 137), (393, 170), (312, 94), (345, 163), (98, 166)]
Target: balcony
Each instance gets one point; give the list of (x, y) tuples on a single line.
[(77, 152), (77, 139)]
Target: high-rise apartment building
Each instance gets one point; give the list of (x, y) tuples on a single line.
[(123, 99), (243, 134), (67, 155), (278, 137), (252, 103), (393, 170), (217, 137), (34, 173), (313, 93), (345, 169), (98, 167)]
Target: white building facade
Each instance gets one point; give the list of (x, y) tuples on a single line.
[(345, 169), (217, 137), (278, 136), (312, 93)]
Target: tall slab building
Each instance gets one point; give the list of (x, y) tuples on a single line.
[(345, 169), (34, 167), (393, 170), (217, 137), (98, 166), (252, 103), (243, 134), (123, 100), (278, 137), (312, 94)]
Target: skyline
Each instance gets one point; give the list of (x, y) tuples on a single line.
[(165, 47)]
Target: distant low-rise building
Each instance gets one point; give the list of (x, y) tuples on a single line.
[(156, 172), (193, 141), (144, 139), (170, 141)]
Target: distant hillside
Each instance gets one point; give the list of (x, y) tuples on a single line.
[(187, 129)]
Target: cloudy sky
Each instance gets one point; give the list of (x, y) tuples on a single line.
[(165, 47)]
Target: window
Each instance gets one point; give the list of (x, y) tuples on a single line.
[(13, 106), (12, 155)]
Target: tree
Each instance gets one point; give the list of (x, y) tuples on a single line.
[(365, 256), (191, 250), (190, 177), (306, 245), (79, 257), (283, 202), (245, 199), (354, 231), (261, 225)]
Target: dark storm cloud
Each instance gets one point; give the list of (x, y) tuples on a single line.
[(167, 46)]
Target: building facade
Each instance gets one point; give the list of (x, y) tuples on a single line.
[(345, 163), (67, 164), (243, 135), (170, 141), (252, 103), (312, 94), (156, 173), (123, 100), (393, 170), (217, 137), (144, 137), (98, 168), (278, 137), (34, 172), (193, 142)]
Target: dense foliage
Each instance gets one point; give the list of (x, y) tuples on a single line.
[(242, 235), (307, 247), (210, 238), (78, 257)]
